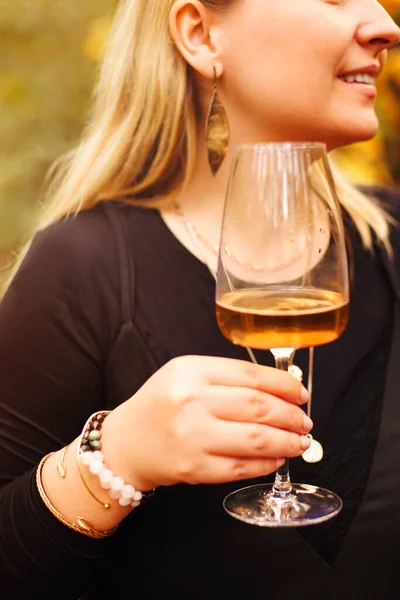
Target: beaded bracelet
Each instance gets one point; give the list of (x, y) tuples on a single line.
[(90, 455)]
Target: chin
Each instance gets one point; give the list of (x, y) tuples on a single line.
[(353, 136), (357, 130), (348, 127)]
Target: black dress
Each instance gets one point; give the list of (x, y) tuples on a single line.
[(100, 303)]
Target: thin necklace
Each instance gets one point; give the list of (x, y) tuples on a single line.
[(196, 235), (206, 244), (315, 452)]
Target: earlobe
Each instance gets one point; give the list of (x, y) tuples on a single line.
[(190, 28)]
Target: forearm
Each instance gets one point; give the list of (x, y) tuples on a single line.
[(71, 498), (40, 557), (36, 549)]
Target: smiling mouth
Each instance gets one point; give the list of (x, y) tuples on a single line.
[(364, 78)]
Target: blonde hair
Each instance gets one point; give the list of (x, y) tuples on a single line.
[(141, 137), (140, 140)]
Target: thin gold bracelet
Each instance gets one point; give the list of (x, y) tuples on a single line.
[(84, 527), (103, 504)]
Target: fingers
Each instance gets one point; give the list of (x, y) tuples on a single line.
[(217, 420), (238, 373), (223, 469), (253, 406), (228, 438)]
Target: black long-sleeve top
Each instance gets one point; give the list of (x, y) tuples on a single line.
[(99, 303)]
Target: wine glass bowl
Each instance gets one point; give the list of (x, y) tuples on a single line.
[(282, 284), (285, 318)]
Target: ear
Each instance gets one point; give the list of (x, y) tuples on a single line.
[(195, 35)]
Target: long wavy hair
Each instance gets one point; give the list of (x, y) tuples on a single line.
[(140, 140)]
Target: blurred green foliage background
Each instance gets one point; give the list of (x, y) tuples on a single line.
[(49, 54), (49, 51)]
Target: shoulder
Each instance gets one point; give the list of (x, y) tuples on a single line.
[(90, 240), (83, 254), (88, 233), (73, 254)]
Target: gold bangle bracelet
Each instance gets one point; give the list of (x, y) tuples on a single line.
[(83, 527), (61, 468)]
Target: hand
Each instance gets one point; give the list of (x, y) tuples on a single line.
[(203, 419)]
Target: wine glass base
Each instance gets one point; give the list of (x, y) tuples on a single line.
[(305, 505)]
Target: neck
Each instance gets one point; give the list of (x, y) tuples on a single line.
[(202, 201), (203, 198)]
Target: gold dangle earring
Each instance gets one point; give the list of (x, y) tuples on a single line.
[(217, 130)]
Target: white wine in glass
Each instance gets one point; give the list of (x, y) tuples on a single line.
[(306, 318), (282, 284)]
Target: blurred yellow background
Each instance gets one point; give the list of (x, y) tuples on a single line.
[(378, 161), (49, 54)]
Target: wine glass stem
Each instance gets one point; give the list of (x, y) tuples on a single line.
[(282, 486)]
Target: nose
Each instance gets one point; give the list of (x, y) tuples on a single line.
[(379, 31)]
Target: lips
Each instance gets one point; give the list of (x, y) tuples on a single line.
[(366, 75)]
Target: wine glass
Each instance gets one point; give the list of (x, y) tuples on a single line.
[(282, 284)]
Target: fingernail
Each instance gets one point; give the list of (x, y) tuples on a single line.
[(305, 442), (304, 395), (307, 424)]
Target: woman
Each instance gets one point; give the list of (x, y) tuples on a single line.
[(113, 309)]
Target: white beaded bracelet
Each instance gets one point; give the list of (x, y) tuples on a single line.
[(89, 454), (117, 489)]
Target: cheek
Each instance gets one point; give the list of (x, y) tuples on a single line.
[(279, 82), (283, 82), (265, 55), (283, 73)]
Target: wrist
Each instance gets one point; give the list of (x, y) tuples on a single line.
[(70, 498), (117, 449)]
